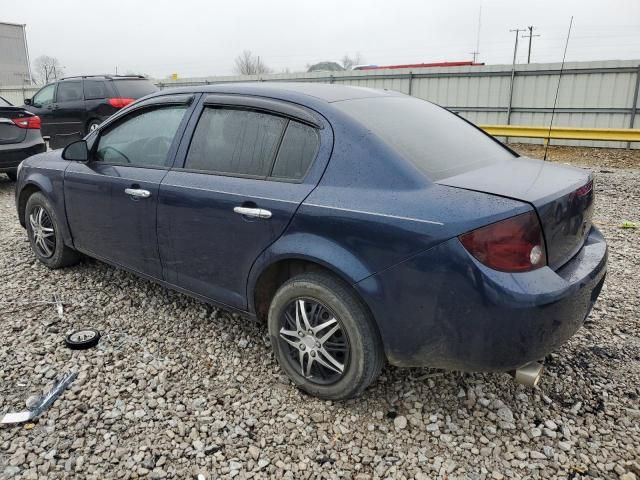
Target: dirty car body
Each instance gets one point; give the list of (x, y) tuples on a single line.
[(20, 136), (430, 222)]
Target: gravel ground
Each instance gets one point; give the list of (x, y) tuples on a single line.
[(177, 388)]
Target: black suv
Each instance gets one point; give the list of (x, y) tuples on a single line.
[(72, 107)]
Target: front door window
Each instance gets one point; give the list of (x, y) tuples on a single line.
[(142, 139), (44, 96)]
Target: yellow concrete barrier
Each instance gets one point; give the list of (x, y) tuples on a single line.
[(565, 133)]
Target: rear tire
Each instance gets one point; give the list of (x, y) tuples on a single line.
[(338, 367), (13, 176), (92, 125), (45, 234)]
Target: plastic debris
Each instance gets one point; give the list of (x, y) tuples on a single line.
[(627, 224), (42, 404), (59, 306)]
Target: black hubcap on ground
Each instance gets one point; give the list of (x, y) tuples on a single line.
[(44, 237), (314, 338)]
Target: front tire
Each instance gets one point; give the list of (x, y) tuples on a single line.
[(45, 234), (324, 337)]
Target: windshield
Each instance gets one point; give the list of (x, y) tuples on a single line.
[(134, 88), (436, 141)]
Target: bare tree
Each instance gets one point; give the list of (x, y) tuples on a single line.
[(349, 62), (249, 64), (47, 69)]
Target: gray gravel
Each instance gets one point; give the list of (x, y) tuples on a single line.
[(177, 388)]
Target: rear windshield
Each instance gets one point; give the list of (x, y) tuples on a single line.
[(4, 103), (436, 141), (134, 88)]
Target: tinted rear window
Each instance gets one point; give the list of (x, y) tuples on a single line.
[(94, 89), (436, 141), (297, 151), (235, 142), (134, 88)]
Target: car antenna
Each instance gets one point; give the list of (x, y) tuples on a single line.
[(555, 101)]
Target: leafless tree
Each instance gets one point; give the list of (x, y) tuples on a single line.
[(349, 62), (249, 64), (47, 69)]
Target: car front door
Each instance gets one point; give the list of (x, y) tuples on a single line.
[(68, 113), (246, 169), (111, 200), (42, 105)]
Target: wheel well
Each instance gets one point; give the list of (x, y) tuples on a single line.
[(275, 275), (22, 202)]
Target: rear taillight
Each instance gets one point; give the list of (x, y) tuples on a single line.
[(120, 102), (28, 122), (512, 245)]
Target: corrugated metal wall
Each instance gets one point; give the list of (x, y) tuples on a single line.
[(14, 59), (592, 94)]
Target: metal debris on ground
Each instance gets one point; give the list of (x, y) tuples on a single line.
[(42, 404)]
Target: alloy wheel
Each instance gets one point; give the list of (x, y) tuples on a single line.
[(317, 344), (44, 237)]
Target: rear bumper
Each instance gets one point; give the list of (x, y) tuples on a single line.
[(12, 155), (444, 309)]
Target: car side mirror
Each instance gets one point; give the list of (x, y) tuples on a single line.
[(76, 152), (27, 101)]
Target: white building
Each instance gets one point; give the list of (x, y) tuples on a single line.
[(15, 68)]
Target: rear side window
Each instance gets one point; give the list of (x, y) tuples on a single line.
[(437, 142), (69, 91), (134, 88), (94, 89), (235, 142), (142, 138), (297, 151)]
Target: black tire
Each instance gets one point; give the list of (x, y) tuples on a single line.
[(61, 255), (91, 125), (364, 357), (82, 339), (13, 176)]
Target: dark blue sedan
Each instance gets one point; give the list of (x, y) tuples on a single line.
[(362, 225)]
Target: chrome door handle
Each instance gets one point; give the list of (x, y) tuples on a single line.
[(253, 212), (137, 192)]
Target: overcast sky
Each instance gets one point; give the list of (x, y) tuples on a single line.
[(200, 37)]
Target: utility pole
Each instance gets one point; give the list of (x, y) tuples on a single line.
[(515, 47), (530, 37), (476, 52), (513, 75)]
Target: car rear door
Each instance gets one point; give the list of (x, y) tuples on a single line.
[(68, 113), (247, 165), (111, 200)]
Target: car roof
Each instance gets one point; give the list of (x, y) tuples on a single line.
[(289, 90), (104, 77)]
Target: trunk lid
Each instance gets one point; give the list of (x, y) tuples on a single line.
[(9, 131), (562, 196)]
